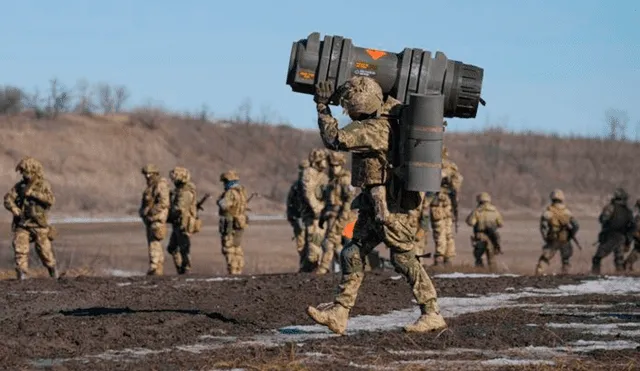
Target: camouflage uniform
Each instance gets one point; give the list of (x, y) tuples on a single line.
[(29, 201), (616, 220), (557, 227), (294, 200), (313, 182), (485, 221), (368, 137), (422, 237), (335, 216), (154, 211), (634, 255), (442, 211), (183, 218), (233, 220)]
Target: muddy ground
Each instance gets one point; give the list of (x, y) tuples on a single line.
[(259, 322)]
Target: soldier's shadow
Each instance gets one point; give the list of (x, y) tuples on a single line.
[(104, 311)]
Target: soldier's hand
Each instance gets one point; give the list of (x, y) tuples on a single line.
[(16, 212), (324, 92)]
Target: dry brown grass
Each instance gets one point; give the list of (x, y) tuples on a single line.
[(94, 161)]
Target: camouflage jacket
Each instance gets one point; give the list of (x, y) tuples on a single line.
[(338, 196), (30, 202), (155, 203), (452, 179), (369, 141), (232, 203), (616, 217), (441, 206), (483, 218), (557, 223), (183, 205), (313, 184)]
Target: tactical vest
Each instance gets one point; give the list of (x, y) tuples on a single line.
[(559, 223), (620, 219), (486, 216)]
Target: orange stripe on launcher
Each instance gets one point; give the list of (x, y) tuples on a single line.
[(376, 54), (348, 230)]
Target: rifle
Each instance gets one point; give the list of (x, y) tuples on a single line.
[(573, 238), (454, 207), (202, 201), (250, 198)]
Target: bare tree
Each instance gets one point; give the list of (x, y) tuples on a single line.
[(11, 100), (85, 104), (106, 98), (617, 121), (59, 98), (121, 96)]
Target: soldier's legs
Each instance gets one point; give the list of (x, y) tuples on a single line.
[(478, 252), (226, 240), (237, 255), (156, 232), (313, 246), (548, 252), (618, 257), (298, 235), (490, 252), (45, 250), (440, 240), (20, 246), (633, 256), (450, 244), (566, 252), (332, 239), (604, 249), (175, 248)]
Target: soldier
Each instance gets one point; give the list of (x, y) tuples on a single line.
[(294, 217), (313, 182), (557, 227), (369, 138), (485, 221), (154, 211), (183, 217), (29, 201), (635, 253), (422, 237), (337, 211), (444, 211), (233, 220), (616, 221)]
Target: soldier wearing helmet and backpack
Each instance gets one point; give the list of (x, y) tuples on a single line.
[(485, 220)]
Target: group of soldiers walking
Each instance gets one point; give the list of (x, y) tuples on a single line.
[(31, 198)]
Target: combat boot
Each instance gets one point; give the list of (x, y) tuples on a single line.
[(446, 262), (565, 268), (53, 272), (21, 275), (321, 271), (539, 269), (429, 320), (332, 315)]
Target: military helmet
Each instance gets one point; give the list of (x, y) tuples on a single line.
[(303, 164), (361, 95), (29, 165), (179, 174), (557, 195), (317, 155), (229, 176), (150, 169), (483, 197), (337, 158), (620, 194)]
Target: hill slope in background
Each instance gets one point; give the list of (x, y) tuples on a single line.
[(94, 162)]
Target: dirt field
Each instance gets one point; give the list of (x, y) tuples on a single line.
[(210, 321)]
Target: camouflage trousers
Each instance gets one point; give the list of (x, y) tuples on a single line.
[(232, 250), (180, 249), (313, 237), (443, 238), (633, 256), (482, 246), (398, 234), (550, 249), (422, 241), (298, 237), (332, 244), (614, 243), (156, 233), (22, 237)]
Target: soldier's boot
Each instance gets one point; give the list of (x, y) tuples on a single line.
[(565, 268), (22, 275), (53, 272), (430, 319), (446, 262), (540, 266), (332, 315)]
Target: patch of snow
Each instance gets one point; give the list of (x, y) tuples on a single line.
[(474, 275), (122, 284), (395, 278), (515, 362), (123, 273), (213, 279), (602, 328), (41, 292)]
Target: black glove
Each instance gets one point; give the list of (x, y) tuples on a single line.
[(324, 92)]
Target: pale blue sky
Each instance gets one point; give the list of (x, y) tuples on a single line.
[(553, 65)]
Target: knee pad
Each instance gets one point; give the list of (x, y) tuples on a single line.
[(351, 258)]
